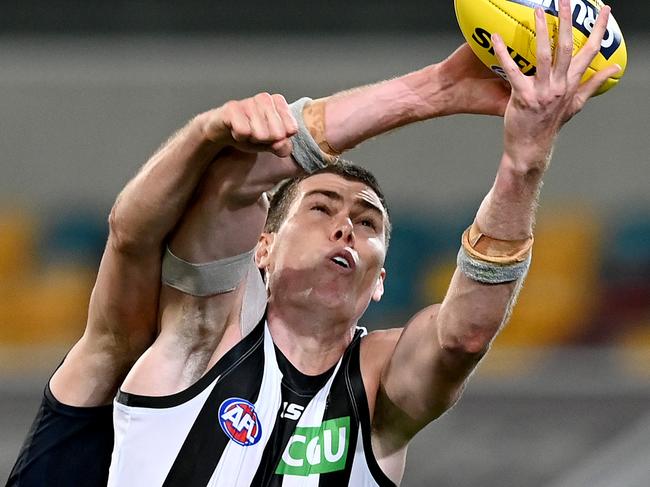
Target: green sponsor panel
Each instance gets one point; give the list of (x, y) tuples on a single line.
[(316, 449)]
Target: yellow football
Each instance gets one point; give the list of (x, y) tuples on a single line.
[(514, 21)]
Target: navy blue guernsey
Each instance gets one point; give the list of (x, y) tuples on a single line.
[(66, 446)]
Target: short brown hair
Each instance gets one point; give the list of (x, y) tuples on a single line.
[(285, 193)]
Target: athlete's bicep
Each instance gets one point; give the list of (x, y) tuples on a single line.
[(440, 347), (124, 300), (121, 324), (421, 380)]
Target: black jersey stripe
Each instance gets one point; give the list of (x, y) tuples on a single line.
[(205, 443), (283, 428), (341, 408), (265, 477), (297, 389), (361, 402)]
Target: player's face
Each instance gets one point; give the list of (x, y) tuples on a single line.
[(331, 248)]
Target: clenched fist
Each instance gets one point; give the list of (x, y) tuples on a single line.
[(262, 123)]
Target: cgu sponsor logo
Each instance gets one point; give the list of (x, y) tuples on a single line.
[(484, 39), (584, 19), (316, 450), (239, 421)]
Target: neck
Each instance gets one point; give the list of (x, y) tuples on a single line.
[(309, 339)]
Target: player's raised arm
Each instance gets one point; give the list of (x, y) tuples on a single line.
[(458, 84), (209, 253), (442, 344), (123, 308)]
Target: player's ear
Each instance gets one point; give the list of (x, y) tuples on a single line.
[(379, 285), (263, 250)]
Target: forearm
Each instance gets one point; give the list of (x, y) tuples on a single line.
[(508, 210), (153, 201), (362, 113), (458, 84), (472, 312), (228, 213)]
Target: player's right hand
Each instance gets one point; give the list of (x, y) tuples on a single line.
[(262, 123), (540, 105)]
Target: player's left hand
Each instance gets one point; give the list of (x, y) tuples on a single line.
[(540, 105), (474, 87)]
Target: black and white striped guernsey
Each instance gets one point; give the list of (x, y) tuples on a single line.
[(251, 420)]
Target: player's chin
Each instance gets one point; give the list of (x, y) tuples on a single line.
[(337, 299)]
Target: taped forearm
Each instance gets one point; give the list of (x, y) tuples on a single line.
[(329, 126)]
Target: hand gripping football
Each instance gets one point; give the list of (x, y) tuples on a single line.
[(514, 21)]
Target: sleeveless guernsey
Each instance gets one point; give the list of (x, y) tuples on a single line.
[(251, 420)]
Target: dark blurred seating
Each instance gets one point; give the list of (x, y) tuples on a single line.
[(589, 283), (623, 313)]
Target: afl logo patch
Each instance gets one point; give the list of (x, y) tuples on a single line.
[(239, 421)]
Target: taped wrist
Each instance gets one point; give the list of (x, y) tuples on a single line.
[(493, 261), (310, 147), (206, 279), (493, 250)]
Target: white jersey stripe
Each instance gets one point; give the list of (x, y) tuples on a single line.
[(145, 433), (360, 476), (267, 406)]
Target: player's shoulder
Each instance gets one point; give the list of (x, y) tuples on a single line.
[(382, 338), (381, 343), (376, 349)]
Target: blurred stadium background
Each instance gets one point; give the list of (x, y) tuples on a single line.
[(89, 90)]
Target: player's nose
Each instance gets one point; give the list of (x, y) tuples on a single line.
[(343, 231)]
